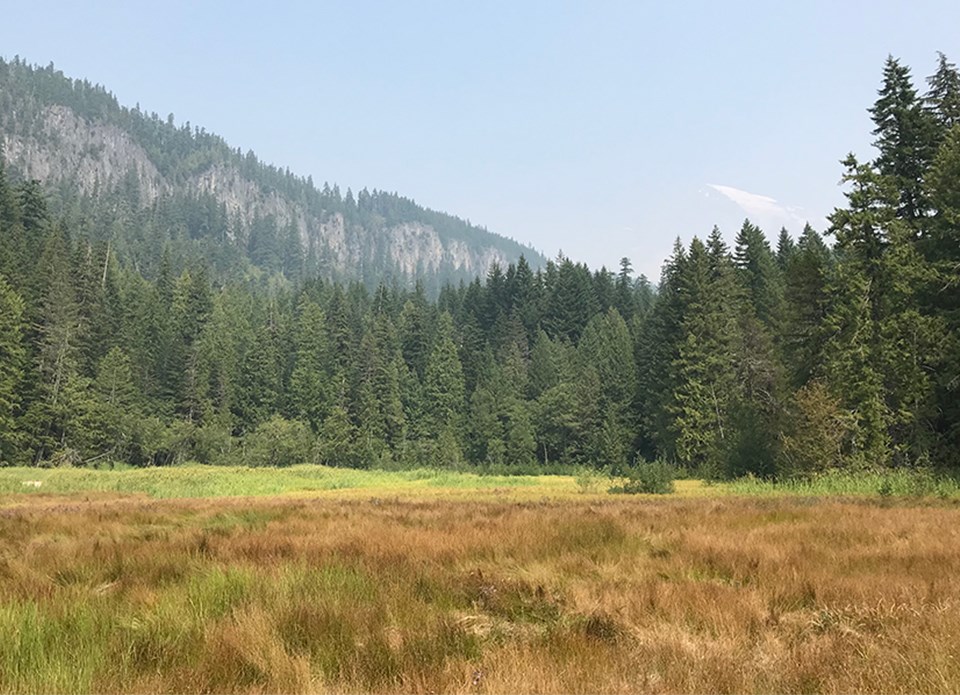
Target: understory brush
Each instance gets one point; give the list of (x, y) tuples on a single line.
[(651, 478), (897, 482)]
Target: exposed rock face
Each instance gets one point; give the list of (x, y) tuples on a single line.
[(93, 156), (97, 157)]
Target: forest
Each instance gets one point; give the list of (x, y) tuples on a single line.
[(779, 358)]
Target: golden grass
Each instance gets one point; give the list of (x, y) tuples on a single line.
[(406, 594)]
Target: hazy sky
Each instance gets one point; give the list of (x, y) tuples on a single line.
[(604, 129)]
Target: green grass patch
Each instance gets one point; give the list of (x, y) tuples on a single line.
[(197, 481), (886, 483)]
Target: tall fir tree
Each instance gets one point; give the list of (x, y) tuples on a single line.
[(943, 96), (12, 363), (906, 139)]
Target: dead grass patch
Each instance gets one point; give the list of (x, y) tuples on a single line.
[(398, 595)]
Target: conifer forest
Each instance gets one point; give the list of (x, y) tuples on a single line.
[(774, 356)]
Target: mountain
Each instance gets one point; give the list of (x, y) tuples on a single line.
[(149, 186)]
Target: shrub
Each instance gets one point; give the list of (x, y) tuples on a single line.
[(648, 478), (590, 479), (278, 442)]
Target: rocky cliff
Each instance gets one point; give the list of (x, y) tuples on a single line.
[(75, 138)]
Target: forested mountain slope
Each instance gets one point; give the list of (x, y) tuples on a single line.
[(145, 184)]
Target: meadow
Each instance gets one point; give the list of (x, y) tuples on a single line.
[(320, 580)]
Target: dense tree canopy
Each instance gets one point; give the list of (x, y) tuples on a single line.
[(773, 362)]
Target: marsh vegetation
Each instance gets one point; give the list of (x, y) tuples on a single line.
[(456, 586)]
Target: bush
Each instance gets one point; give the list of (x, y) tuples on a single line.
[(648, 479), (817, 432), (590, 480), (278, 442)]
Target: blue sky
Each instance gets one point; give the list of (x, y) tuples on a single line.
[(604, 129)]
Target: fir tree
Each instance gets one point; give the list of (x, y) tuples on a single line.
[(309, 382), (444, 392), (943, 97), (906, 139), (759, 275), (12, 362)]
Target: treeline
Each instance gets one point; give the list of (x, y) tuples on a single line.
[(778, 362)]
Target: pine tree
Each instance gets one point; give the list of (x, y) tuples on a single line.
[(851, 368), (379, 404), (415, 333), (220, 348), (785, 249), (58, 347), (260, 380), (943, 97), (705, 368), (570, 300), (309, 382), (941, 296), (337, 440), (883, 350), (443, 386), (759, 275), (625, 300), (545, 370), (192, 305), (607, 346), (12, 251), (657, 347), (521, 441), (485, 429), (807, 303), (114, 422), (525, 298), (12, 362), (906, 139)]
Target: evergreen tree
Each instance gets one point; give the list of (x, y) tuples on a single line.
[(337, 441), (12, 362), (570, 300), (883, 350), (706, 380), (759, 275), (785, 249), (310, 381), (525, 297), (607, 347), (906, 139), (625, 300), (657, 346), (943, 97), (380, 406), (415, 333), (260, 380), (443, 386), (807, 303), (51, 414), (12, 251), (941, 293)]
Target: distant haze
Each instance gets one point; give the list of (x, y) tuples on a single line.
[(602, 129)]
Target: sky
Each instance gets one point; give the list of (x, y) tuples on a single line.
[(599, 129)]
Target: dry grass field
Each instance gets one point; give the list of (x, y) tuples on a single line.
[(493, 592)]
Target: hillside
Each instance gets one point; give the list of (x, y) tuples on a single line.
[(146, 185)]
